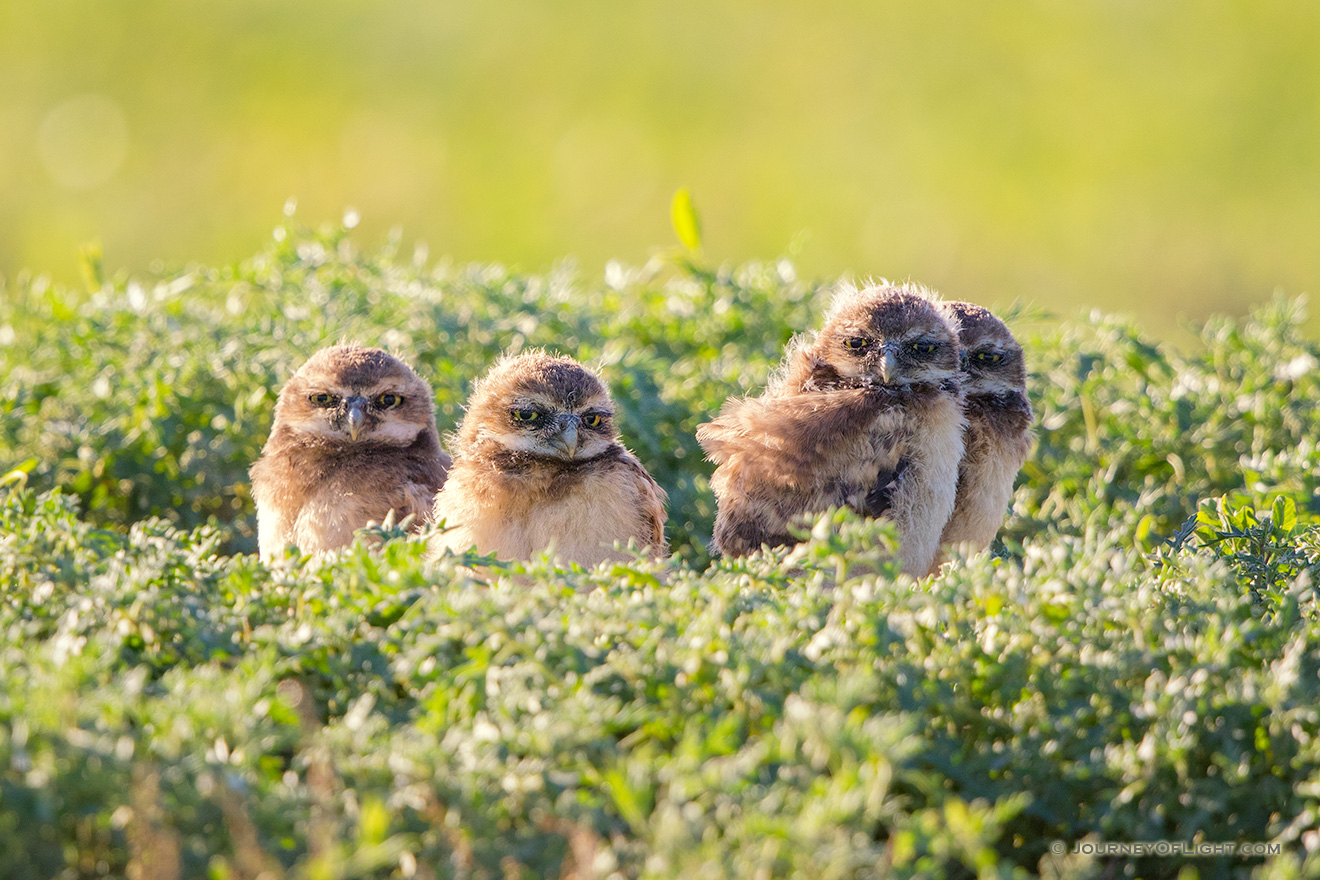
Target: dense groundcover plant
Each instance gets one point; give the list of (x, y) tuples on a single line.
[(1138, 661)]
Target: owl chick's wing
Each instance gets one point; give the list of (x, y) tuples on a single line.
[(417, 493), (651, 499), (790, 433), (880, 497), (416, 499), (782, 455)]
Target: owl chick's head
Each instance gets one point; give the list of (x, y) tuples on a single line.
[(992, 360), (539, 405), (348, 394), (890, 335)]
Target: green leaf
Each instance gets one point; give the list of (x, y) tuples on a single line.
[(19, 474), (1055, 612), (91, 265), (1284, 514), (374, 823), (627, 800), (687, 226)]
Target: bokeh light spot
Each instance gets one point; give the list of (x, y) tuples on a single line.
[(83, 141)]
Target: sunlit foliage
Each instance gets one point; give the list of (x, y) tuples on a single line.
[(1139, 660)]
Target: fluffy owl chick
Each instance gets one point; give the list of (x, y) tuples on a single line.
[(998, 437), (354, 438), (538, 463), (868, 413)]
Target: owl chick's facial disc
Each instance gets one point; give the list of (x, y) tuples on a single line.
[(888, 336), (992, 360), (557, 411), (349, 394)]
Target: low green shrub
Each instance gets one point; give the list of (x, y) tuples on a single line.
[(804, 715), (1139, 660)]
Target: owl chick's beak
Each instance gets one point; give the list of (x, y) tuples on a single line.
[(357, 416), (888, 366), (566, 441)]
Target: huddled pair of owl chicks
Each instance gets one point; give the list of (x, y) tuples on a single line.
[(901, 406), (537, 461)]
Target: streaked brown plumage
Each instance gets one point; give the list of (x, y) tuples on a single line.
[(999, 418), (538, 463), (354, 438), (867, 413)]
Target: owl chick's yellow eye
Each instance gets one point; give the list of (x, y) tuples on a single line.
[(856, 343), (389, 400), (323, 399), (525, 415), (923, 347), (592, 420), (987, 357)]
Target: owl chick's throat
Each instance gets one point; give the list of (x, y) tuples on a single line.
[(561, 471)]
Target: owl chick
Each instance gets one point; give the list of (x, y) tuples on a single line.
[(868, 414), (354, 438), (538, 464), (998, 437)]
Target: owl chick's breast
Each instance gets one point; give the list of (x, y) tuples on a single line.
[(516, 507)]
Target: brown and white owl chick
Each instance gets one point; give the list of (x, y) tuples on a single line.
[(998, 437), (538, 464), (354, 438), (868, 414)]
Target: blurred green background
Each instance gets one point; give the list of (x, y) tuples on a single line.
[(1159, 158)]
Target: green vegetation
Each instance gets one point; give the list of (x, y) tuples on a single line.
[(1139, 661)]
